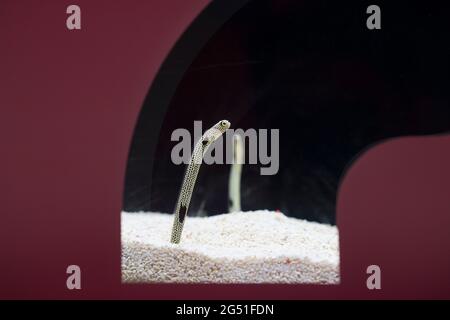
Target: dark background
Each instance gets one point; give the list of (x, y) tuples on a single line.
[(313, 70)]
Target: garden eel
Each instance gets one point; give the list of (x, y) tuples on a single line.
[(234, 182), (190, 176)]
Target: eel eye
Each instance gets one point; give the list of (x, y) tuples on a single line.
[(223, 123)]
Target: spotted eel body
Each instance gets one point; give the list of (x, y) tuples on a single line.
[(190, 176), (234, 181)]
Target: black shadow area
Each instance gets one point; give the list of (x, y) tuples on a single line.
[(309, 68)]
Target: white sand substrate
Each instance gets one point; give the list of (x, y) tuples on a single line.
[(241, 247)]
